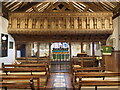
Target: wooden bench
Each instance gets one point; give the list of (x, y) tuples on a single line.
[(98, 83), (19, 71), (23, 77), (34, 60), (25, 65), (17, 85), (85, 61), (81, 69), (27, 69), (95, 83)]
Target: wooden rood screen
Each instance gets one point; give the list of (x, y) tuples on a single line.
[(51, 23)]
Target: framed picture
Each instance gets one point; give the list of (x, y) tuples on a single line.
[(10, 45), (4, 45)]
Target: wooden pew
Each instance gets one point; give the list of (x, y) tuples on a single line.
[(27, 69), (40, 65), (25, 72), (17, 85), (91, 69), (34, 60), (98, 83), (25, 65), (95, 83), (23, 77), (85, 61)]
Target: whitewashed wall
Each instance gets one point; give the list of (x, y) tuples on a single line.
[(11, 52), (119, 33), (44, 49), (75, 48), (114, 38)]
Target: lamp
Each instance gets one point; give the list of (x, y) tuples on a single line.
[(4, 38)]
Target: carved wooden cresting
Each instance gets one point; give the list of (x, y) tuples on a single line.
[(60, 23)]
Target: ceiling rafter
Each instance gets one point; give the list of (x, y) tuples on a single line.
[(92, 9), (78, 8), (94, 6), (42, 6), (100, 6), (45, 6), (26, 7), (8, 5), (87, 8), (14, 7), (50, 5), (35, 9), (82, 9), (106, 6), (110, 4)]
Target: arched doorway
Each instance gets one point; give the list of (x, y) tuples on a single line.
[(60, 57)]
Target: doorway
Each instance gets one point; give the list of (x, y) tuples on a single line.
[(60, 60)]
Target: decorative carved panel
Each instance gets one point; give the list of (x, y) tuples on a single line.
[(63, 23)]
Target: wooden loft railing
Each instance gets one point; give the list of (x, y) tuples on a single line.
[(48, 23)]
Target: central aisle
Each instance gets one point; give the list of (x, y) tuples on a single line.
[(59, 81)]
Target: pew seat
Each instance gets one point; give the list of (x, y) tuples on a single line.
[(39, 81), (97, 83), (25, 73), (94, 79), (76, 66), (17, 83)]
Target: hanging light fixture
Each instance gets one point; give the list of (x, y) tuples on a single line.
[(4, 38)]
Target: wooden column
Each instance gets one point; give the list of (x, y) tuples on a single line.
[(70, 55), (49, 51), (70, 51), (27, 50), (82, 62), (93, 50), (81, 47), (38, 45), (103, 57), (15, 51)]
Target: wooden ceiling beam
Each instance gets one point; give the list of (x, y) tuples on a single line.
[(50, 5), (43, 6), (100, 5), (5, 11), (35, 9), (105, 6), (116, 11), (26, 7), (78, 7), (94, 7)]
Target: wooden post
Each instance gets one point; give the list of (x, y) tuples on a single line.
[(15, 51), (103, 57), (81, 47), (38, 45), (49, 51), (70, 55), (26, 50), (93, 50), (70, 51), (82, 62)]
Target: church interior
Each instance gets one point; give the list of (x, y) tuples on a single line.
[(59, 44)]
